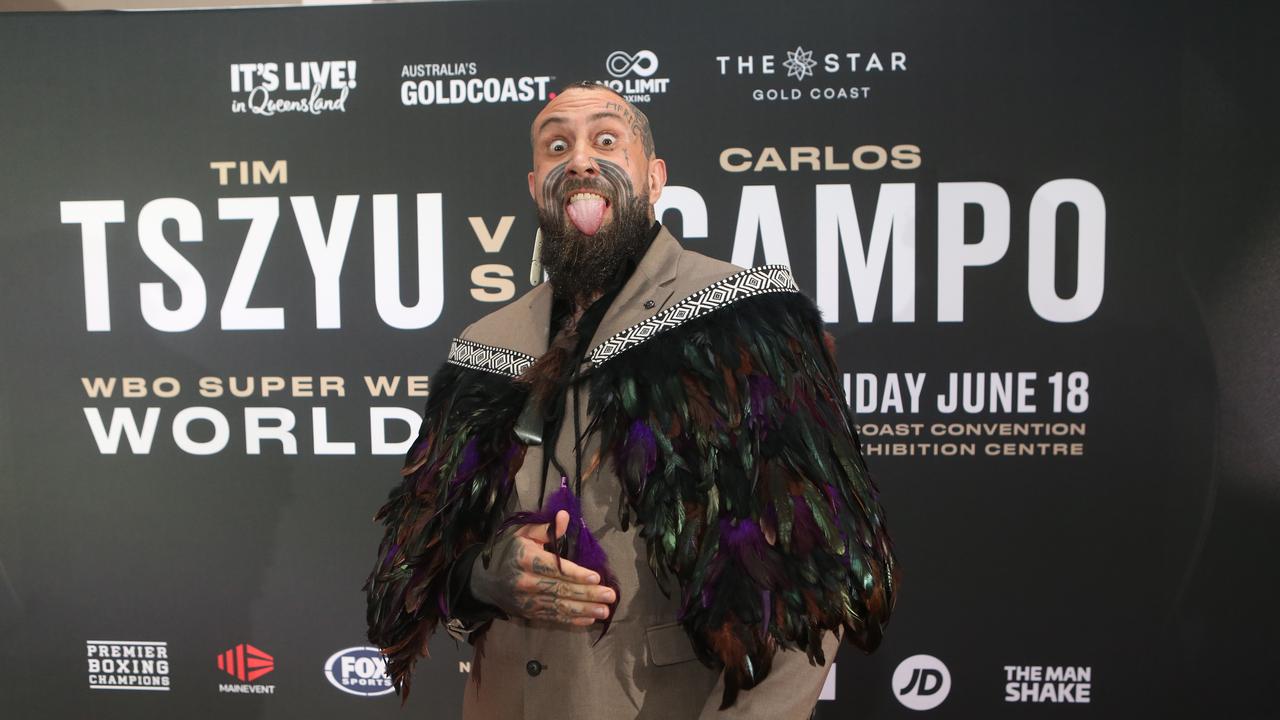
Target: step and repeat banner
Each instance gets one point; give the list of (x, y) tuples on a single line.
[(237, 243)]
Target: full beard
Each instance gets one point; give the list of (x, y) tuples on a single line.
[(580, 265)]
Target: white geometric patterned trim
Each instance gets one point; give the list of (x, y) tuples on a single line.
[(744, 284), (489, 358)]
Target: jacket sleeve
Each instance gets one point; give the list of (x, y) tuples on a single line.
[(468, 616), (790, 694)]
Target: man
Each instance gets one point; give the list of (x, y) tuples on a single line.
[(636, 489)]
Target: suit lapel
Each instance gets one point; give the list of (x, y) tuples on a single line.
[(653, 280)]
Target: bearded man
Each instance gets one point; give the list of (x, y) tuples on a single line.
[(637, 490)]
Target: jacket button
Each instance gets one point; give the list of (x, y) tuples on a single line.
[(648, 304), (533, 667)]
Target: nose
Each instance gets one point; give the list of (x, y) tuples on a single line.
[(582, 164)]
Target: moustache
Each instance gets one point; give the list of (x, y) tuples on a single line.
[(565, 189)]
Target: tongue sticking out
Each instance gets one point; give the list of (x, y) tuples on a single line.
[(587, 214)]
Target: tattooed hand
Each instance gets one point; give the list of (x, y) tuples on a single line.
[(522, 580)]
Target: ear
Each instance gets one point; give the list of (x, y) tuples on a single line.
[(532, 194), (657, 178)]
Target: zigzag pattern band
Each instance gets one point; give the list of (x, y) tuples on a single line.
[(753, 281), (488, 358)]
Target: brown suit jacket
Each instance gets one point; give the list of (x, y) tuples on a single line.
[(644, 667)]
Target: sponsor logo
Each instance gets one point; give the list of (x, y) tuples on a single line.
[(309, 87), (128, 665), (632, 75), (359, 671), (642, 64), (1048, 683), (246, 663), (921, 682), (814, 75), (799, 63), (461, 84)]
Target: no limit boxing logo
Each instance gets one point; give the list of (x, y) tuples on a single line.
[(633, 75), (620, 64)]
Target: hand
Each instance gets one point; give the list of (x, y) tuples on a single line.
[(522, 579)]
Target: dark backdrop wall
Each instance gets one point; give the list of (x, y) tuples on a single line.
[(1043, 234)]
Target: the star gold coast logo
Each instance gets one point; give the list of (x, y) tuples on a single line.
[(799, 63), (847, 75)]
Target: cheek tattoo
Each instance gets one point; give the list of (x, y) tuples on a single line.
[(614, 183), (579, 264)]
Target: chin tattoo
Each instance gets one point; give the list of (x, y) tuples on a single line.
[(577, 263)]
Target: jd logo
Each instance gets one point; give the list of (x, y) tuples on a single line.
[(921, 682)]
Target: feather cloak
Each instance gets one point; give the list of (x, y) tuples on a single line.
[(728, 430)]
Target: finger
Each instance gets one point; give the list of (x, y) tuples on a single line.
[(568, 610), (540, 562), (562, 523), (538, 584), (536, 532)]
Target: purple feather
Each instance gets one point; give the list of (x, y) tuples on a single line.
[(745, 543), (470, 461), (640, 449), (583, 548), (760, 387)]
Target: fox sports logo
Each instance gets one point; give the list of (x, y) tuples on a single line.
[(359, 671)]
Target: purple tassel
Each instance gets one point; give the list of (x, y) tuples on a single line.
[(583, 548)]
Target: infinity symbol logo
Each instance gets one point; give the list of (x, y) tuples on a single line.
[(619, 63)]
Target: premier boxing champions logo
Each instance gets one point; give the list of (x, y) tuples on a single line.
[(128, 665), (310, 87), (632, 75), (804, 74)]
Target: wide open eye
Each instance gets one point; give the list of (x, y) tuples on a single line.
[(607, 139), (558, 146)]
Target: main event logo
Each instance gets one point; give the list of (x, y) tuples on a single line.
[(246, 663), (632, 75), (852, 70), (309, 87), (128, 665)]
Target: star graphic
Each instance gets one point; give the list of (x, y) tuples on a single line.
[(799, 63)]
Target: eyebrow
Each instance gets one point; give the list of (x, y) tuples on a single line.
[(552, 119)]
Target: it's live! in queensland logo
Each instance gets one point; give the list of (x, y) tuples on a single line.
[(310, 87)]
